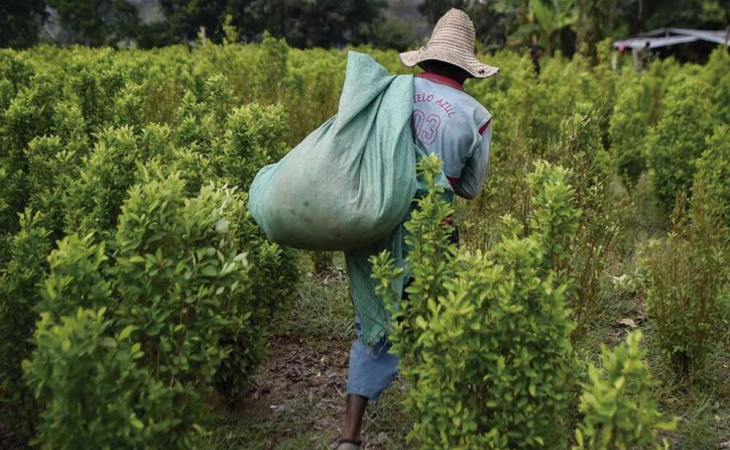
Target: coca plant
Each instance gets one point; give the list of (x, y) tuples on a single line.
[(714, 170), (483, 337), (618, 405), (628, 130), (679, 139), (688, 291), (131, 337), (97, 394), (25, 268)]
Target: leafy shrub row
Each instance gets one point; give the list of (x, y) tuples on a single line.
[(155, 317), (484, 337), (688, 290), (78, 126), (157, 275)]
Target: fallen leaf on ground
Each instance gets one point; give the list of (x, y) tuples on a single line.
[(627, 322)]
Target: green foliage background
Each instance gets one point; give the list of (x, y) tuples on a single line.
[(128, 256)]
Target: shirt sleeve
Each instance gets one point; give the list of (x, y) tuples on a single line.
[(475, 170)]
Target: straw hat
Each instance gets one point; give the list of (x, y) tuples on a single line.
[(452, 42)]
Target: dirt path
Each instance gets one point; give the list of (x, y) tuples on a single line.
[(302, 382), (298, 395)]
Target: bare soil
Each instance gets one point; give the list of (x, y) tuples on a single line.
[(303, 380)]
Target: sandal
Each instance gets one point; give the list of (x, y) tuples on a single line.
[(347, 444)]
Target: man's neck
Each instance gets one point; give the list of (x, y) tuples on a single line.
[(442, 79), (457, 77)]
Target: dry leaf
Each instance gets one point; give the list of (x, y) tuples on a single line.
[(627, 322)]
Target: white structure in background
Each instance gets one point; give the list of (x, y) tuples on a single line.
[(664, 37), (642, 44)]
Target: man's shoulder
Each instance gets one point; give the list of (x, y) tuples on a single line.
[(478, 112), (479, 107)]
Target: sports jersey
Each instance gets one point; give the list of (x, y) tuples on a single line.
[(451, 123)]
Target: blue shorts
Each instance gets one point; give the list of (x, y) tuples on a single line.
[(371, 369)]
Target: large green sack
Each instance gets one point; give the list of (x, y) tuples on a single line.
[(349, 183)]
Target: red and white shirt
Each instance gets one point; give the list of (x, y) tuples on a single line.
[(451, 123)]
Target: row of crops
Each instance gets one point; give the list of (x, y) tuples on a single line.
[(134, 284)]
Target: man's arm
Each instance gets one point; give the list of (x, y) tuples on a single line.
[(474, 173)]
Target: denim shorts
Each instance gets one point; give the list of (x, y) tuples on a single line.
[(371, 369)]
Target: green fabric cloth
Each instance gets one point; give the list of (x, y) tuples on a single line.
[(349, 183), (374, 318)]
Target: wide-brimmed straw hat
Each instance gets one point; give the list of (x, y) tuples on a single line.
[(452, 42)]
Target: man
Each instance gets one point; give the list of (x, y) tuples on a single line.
[(446, 121), (536, 52)]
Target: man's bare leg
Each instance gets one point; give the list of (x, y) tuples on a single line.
[(354, 412)]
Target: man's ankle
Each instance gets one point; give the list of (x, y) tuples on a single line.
[(351, 438)]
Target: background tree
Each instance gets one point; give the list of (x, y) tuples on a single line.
[(597, 20), (314, 23), (97, 22), (185, 17), (123, 20), (20, 21), (394, 33), (547, 20), (434, 9), (551, 17), (564, 24), (303, 23), (643, 15)]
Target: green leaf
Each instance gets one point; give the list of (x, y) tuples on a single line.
[(209, 271), (126, 332), (108, 342)]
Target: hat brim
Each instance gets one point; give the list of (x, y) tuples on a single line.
[(469, 63)]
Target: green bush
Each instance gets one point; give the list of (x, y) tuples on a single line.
[(484, 337), (25, 268), (28, 115), (271, 63), (689, 284), (96, 393), (187, 310), (713, 168), (181, 280), (95, 197), (628, 130), (253, 139), (75, 152), (678, 140), (15, 69), (96, 81), (51, 169), (273, 273), (69, 125), (581, 148), (76, 278), (6, 201), (618, 405), (129, 107), (717, 74)]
